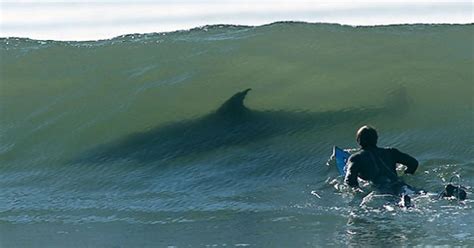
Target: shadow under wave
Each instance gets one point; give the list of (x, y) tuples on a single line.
[(232, 124)]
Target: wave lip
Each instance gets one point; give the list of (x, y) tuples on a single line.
[(61, 21)]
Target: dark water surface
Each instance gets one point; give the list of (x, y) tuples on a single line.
[(134, 142)]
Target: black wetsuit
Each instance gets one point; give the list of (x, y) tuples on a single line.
[(378, 165)]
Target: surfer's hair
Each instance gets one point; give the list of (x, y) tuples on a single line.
[(367, 136)]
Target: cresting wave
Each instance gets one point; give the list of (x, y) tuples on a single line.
[(78, 94), (159, 129)]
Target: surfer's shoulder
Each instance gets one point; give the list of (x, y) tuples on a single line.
[(390, 149), (356, 156)]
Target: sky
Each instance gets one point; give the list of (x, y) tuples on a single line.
[(104, 19)]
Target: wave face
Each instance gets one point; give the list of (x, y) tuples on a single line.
[(147, 133)]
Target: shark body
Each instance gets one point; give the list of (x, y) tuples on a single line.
[(231, 124)]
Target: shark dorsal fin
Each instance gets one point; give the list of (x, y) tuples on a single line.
[(234, 105)]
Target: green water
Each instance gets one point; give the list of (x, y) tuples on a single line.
[(235, 182)]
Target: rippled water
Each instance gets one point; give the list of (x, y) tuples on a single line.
[(136, 141)]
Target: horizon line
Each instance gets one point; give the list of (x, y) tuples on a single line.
[(238, 25)]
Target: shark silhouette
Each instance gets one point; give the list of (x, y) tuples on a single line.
[(231, 124)]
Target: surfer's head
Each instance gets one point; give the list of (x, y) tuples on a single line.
[(367, 137)]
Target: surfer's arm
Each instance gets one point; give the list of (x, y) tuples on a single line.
[(402, 158), (352, 172)]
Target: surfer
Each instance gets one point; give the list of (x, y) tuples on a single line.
[(378, 166)]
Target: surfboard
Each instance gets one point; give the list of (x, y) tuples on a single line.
[(341, 157)]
